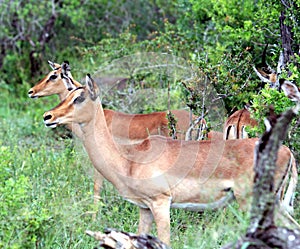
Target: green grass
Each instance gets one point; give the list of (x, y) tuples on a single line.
[(46, 191)]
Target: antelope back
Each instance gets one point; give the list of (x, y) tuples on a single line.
[(235, 125)]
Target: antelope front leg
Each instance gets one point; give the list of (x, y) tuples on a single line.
[(98, 182), (161, 212), (146, 220)]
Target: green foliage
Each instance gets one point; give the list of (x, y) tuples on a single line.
[(270, 97), (217, 30), (31, 173), (219, 27), (263, 100), (21, 225), (28, 38), (232, 77), (15, 81)]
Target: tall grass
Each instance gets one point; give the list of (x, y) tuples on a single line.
[(46, 191)]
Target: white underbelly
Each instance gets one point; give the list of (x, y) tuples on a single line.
[(196, 207), (205, 206)]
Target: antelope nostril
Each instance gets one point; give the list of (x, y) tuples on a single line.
[(30, 92), (70, 88), (47, 117)]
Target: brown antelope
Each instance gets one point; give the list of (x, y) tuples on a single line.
[(234, 128), (52, 84), (235, 125), (162, 173), (272, 77), (266, 73), (124, 127)]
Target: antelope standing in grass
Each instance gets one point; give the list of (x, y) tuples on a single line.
[(161, 173), (126, 128)]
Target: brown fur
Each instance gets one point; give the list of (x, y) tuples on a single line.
[(164, 172), (233, 129), (126, 128), (123, 126), (214, 135), (140, 126), (234, 125), (46, 87)]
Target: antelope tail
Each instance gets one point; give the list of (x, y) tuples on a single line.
[(287, 197), (286, 191), (288, 200)]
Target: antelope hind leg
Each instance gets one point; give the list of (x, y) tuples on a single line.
[(146, 220)]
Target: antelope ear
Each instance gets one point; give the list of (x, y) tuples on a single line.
[(262, 77), (68, 82), (66, 69), (52, 65), (290, 90), (92, 87)]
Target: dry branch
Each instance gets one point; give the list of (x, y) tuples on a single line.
[(112, 238)]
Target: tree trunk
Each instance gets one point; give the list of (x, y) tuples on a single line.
[(262, 232), (45, 36), (262, 212), (286, 38)]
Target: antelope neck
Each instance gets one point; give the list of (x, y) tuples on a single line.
[(101, 149)]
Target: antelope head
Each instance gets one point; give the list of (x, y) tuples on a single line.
[(52, 83), (272, 77), (290, 90), (77, 107), (266, 73), (53, 65)]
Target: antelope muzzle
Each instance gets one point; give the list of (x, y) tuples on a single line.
[(31, 94), (49, 120)]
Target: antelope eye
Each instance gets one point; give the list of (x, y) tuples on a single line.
[(53, 77), (78, 100)]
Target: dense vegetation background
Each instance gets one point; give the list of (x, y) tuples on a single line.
[(45, 192)]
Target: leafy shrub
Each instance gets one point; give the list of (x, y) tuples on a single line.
[(21, 225)]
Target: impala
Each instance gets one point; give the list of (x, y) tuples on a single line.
[(266, 73), (234, 128), (52, 83), (124, 127), (235, 125), (160, 173)]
